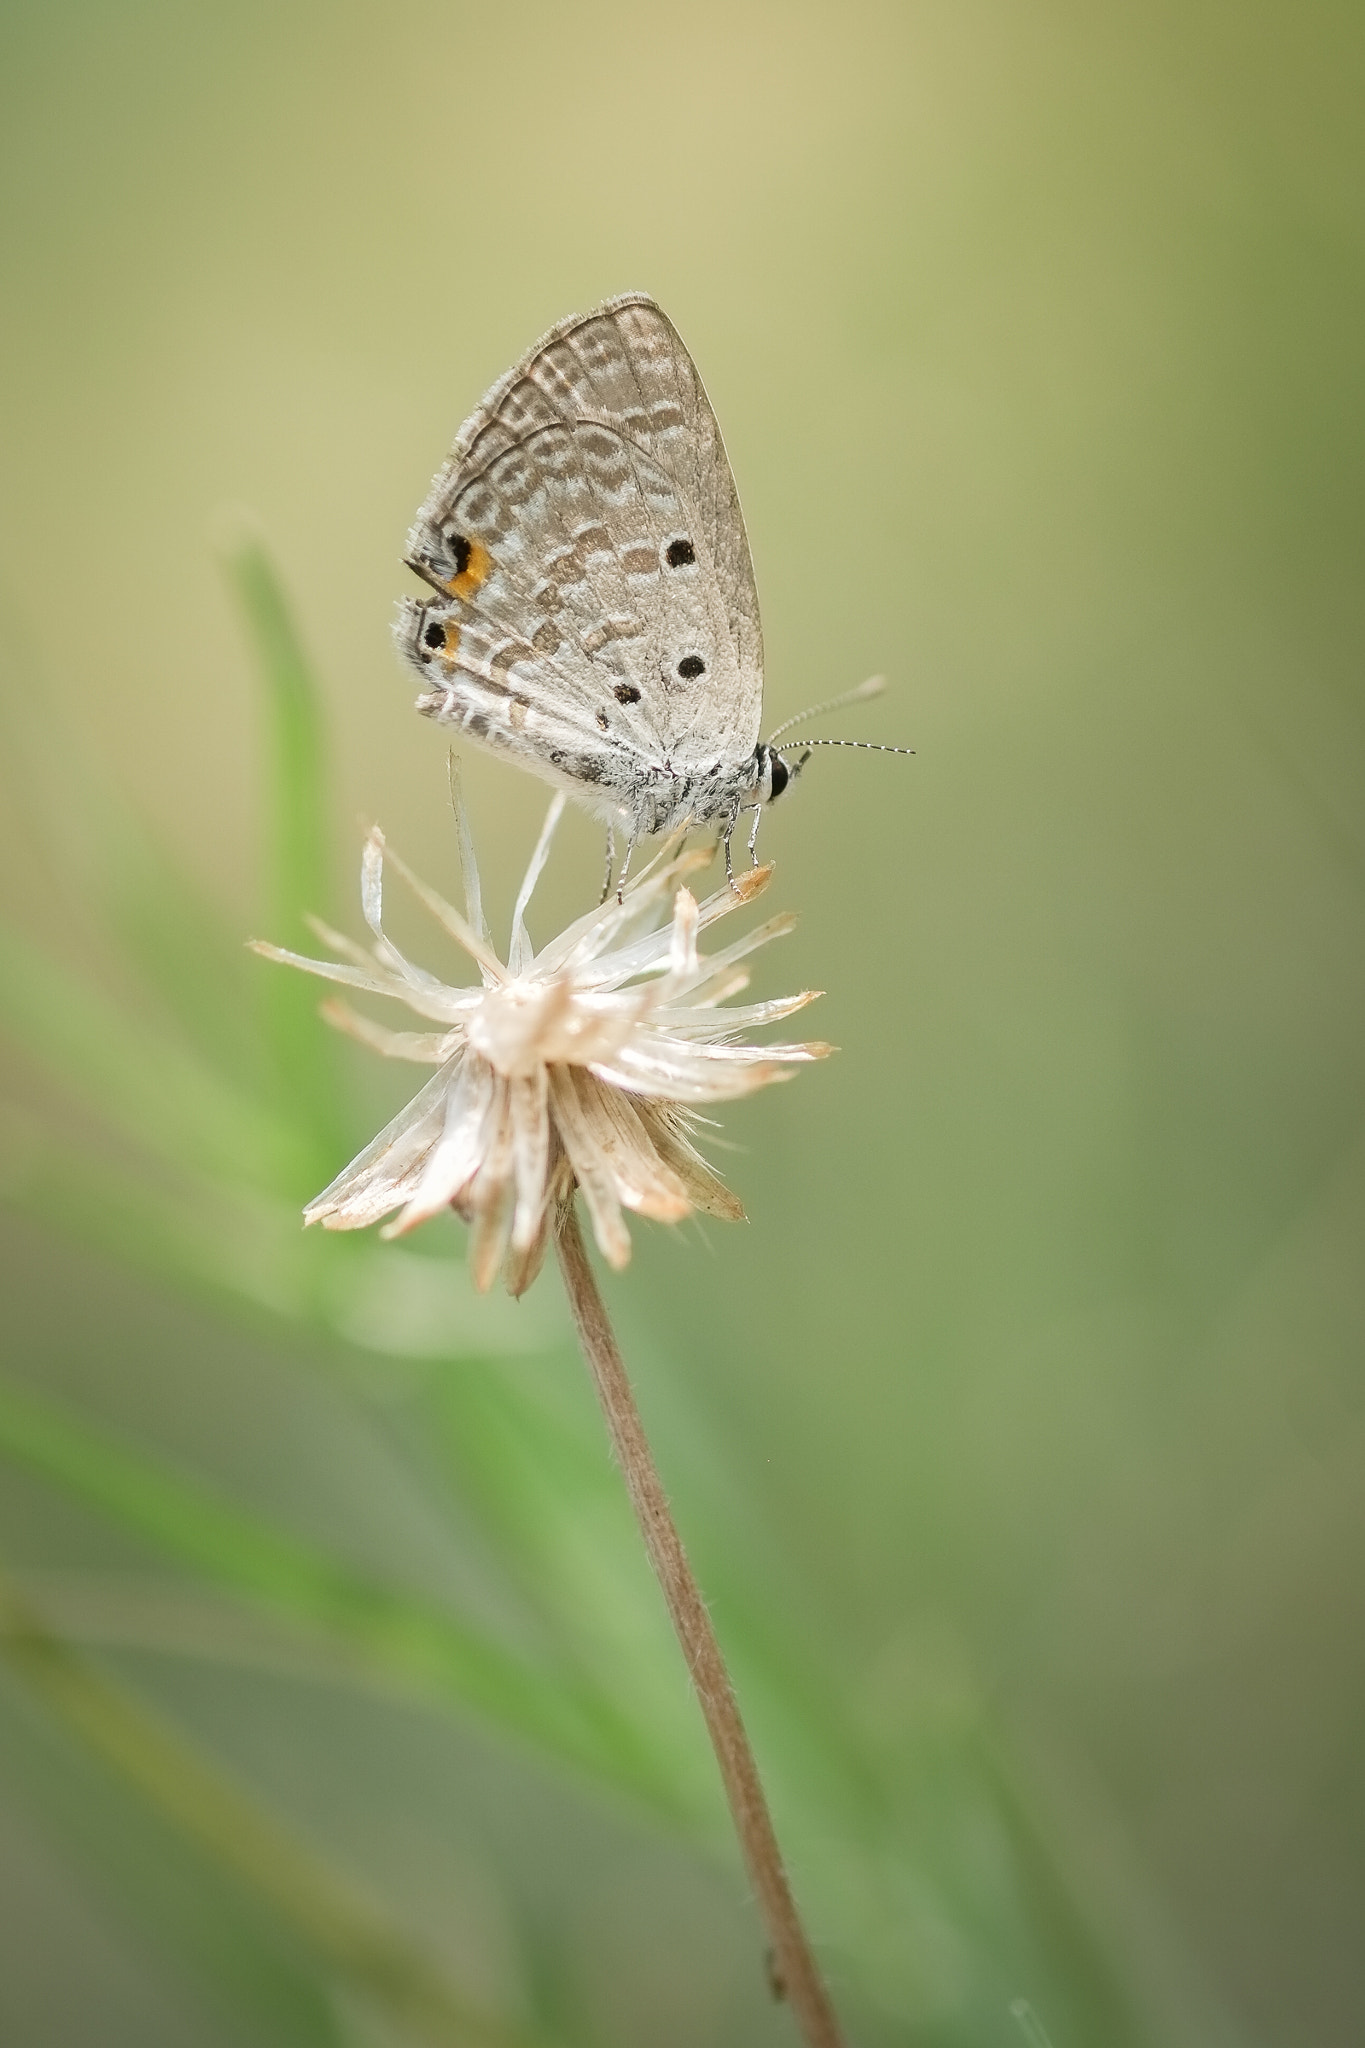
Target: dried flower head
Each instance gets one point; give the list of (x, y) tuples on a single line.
[(584, 1064)]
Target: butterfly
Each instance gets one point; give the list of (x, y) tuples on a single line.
[(595, 616)]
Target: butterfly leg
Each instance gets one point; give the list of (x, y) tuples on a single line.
[(611, 862), (625, 869), (727, 833)]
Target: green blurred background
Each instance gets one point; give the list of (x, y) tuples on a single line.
[(1019, 1436)]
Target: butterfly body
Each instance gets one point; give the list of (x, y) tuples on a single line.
[(594, 615)]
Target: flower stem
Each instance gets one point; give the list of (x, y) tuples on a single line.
[(796, 1976)]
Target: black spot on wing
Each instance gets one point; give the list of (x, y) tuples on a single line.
[(582, 767)]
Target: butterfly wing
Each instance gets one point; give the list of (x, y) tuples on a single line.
[(597, 598)]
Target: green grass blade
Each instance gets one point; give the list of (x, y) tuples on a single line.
[(375, 1960), (192, 1932), (244, 1248), (430, 1650), (181, 945), (231, 1245), (136, 1080), (295, 871), (534, 1466), (110, 865)]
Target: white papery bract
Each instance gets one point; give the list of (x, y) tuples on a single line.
[(585, 1064)]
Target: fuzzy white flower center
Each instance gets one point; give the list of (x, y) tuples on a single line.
[(529, 1024)]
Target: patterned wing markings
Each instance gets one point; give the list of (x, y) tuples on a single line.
[(639, 375), (577, 523), (563, 582), (596, 448), (572, 574), (704, 467), (478, 682)]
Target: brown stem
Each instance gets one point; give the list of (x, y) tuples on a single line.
[(795, 1974)]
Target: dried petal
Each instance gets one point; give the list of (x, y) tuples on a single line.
[(590, 1170), (455, 1158)]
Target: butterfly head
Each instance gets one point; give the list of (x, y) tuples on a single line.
[(774, 772)]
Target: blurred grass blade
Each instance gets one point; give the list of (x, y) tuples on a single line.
[(295, 876), (532, 1463), (137, 1081), (109, 861), (373, 1959), (429, 1649), (232, 1244), (1030, 2026), (295, 871), (180, 943)]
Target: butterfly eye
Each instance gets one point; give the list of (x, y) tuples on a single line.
[(680, 552), (691, 666)]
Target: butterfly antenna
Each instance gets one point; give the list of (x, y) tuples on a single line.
[(868, 746), (873, 687)]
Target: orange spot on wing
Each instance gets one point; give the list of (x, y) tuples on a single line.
[(474, 573), (452, 641)]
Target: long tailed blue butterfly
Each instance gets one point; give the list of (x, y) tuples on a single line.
[(595, 615)]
